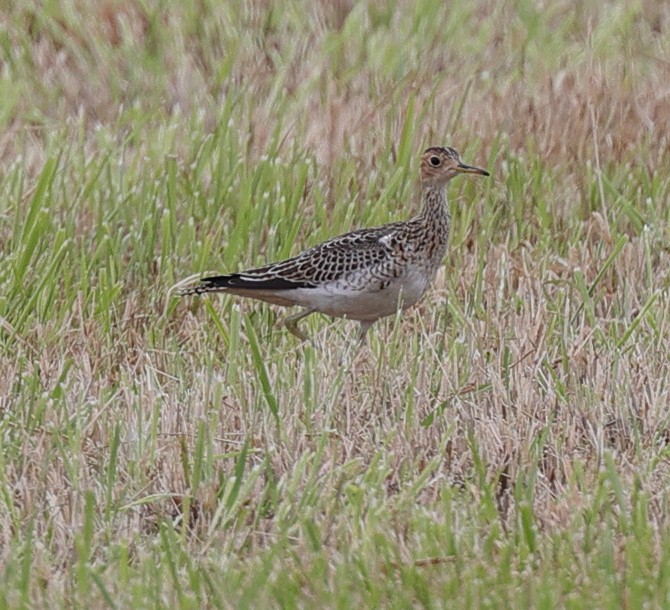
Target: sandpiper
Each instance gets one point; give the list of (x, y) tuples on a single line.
[(363, 275)]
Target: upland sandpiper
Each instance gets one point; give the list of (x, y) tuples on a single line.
[(363, 275)]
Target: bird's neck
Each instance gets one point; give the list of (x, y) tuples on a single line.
[(435, 205)]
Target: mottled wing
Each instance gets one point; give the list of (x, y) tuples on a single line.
[(335, 258), (330, 261)]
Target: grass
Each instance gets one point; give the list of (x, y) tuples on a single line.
[(504, 443)]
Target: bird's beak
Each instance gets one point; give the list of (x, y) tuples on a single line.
[(471, 169)]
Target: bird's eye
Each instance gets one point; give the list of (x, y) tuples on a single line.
[(434, 161)]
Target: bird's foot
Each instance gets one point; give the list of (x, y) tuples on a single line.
[(290, 323)]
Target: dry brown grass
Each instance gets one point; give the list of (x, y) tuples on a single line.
[(524, 392), (601, 88)]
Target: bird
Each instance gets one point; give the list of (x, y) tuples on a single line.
[(363, 275)]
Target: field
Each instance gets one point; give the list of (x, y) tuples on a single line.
[(506, 443)]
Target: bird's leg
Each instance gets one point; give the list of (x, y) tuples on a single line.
[(363, 332), (290, 323)]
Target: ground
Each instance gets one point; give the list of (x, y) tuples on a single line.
[(503, 444)]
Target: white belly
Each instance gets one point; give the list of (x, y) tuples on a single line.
[(369, 303)]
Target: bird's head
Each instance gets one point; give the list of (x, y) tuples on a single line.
[(440, 164)]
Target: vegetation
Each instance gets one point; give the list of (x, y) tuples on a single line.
[(504, 444)]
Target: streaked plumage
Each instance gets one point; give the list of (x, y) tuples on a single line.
[(366, 274)]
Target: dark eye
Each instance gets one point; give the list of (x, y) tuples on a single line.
[(434, 161)]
